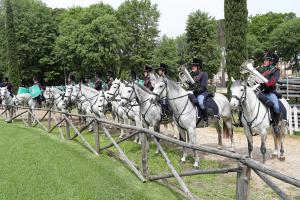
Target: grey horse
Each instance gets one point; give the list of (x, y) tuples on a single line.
[(185, 113)]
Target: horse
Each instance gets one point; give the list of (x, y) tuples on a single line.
[(97, 99), (7, 103), (54, 98), (124, 113), (185, 113), (256, 118)]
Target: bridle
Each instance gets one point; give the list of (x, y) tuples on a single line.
[(117, 89), (250, 122)]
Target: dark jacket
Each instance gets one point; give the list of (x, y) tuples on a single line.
[(272, 73), (98, 85), (200, 85), (148, 84)]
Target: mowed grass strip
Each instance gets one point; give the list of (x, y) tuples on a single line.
[(36, 166)]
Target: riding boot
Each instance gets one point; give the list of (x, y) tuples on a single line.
[(276, 123), (205, 117)]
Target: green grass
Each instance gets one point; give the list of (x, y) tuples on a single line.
[(36, 165)]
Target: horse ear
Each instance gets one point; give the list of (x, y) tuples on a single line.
[(232, 79), (255, 87)]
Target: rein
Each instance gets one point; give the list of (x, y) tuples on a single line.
[(250, 122)]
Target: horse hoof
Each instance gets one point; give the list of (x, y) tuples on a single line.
[(182, 160), (175, 137), (282, 158), (196, 165), (219, 147), (232, 150)]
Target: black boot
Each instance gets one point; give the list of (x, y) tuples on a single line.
[(205, 117), (276, 123)]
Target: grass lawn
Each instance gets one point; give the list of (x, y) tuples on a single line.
[(36, 165)]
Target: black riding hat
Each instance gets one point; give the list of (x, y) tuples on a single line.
[(162, 66), (197, 62), (272, 57), (147, 68)]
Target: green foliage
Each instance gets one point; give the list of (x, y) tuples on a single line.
[(235, 36), (202, 40), (182, 48), (139, 20), (286, 39), (167, 53), (259, 31)]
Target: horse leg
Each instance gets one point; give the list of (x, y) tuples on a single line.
[(249, 141), (182, 137), (284, 131), (275, 152), (263, 149), (192, 136), (157, 129), (219, 131)]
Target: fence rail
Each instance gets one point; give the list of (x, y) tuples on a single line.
[(243, 169)]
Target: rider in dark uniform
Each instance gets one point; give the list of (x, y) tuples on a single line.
[(98, 83), (199, 88), (268, 94), (110, 79), (166, 109), (71, 79), (147, 83), (8, 85)]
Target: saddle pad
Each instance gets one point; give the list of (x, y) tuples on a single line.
[(23, 90), (210, 104), (35, 91), (283, 111)]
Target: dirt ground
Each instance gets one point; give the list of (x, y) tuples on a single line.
[(291, 165)]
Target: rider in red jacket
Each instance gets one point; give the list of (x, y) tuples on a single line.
[(268, 93)]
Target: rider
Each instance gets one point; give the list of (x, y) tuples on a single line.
[(98, 83), (147, 83), (39, 98), (199, 88), (268, 94), (162, 72), (8, 85), (110, 79), (71, 79)]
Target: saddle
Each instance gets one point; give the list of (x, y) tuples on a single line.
[(268, 104), (209, 103)]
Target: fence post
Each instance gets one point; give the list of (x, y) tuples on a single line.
[(291, 130), (49, 120), (67, 127), (144, 154), (243, 182), (29, 118), (296, 118), (97, 136)]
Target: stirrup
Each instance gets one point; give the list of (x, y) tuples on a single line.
[(276, 130)]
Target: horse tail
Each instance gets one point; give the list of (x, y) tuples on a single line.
[(227, 131)]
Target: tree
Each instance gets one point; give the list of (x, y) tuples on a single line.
[(235, 36), (182, 48), (201, 34), (90, 40), (12, 55), (286, 40), (259, 29), (166, 52), (139, 20)]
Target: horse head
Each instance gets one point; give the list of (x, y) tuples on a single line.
[(114, 89), (102, 102), (127, 95), (48, 95), (238, 93), (68, 94), (4, 93), (160, 90)]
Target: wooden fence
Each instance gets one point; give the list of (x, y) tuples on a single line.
[(294, 122), (242, 170), (289, 87)]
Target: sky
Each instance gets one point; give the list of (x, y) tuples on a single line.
[(174, 13)]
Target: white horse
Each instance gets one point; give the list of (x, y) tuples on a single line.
[(54, 98), (25, 99), (185, 113), (7, 102), (256, 118), (124, 113)]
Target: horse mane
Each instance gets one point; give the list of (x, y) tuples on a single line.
[(90, 89), (145, 89)]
